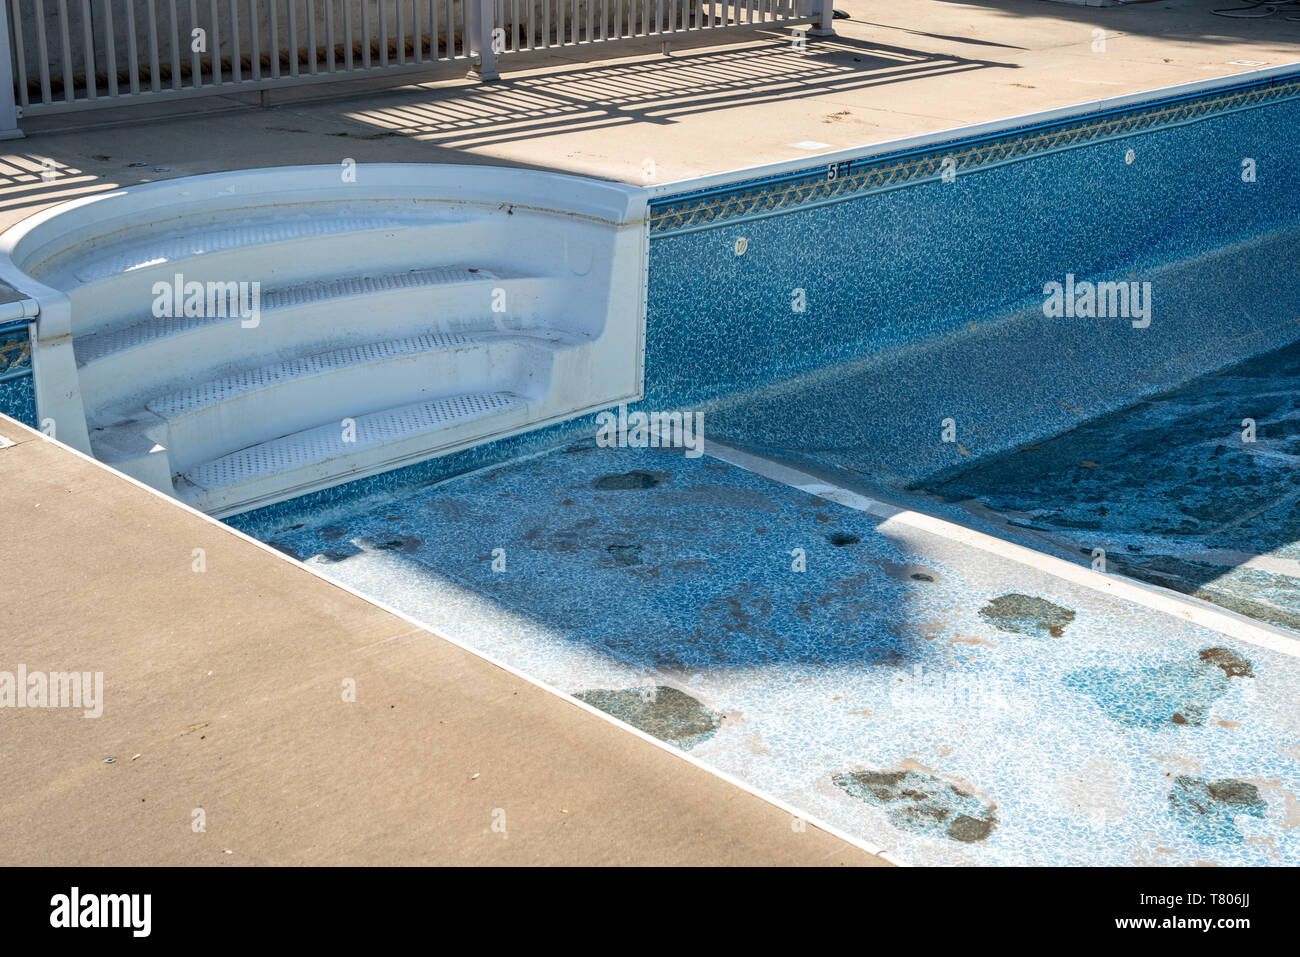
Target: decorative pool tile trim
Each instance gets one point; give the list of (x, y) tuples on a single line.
[(851, 179)]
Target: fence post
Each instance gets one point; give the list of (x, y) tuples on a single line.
[(8, 109), (824, 26), (482, 21)]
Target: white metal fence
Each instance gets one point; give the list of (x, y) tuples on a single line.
[(541, 24), (63, 55)]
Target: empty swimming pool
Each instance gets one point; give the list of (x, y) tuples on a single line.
[(988, 558)]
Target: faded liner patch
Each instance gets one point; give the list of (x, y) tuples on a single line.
[(1027, 615), (920, 802), (668, 714)]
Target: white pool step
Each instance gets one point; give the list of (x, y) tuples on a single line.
[(228, 412), (205, 396), (184, 244), (318, 457), (95, 346), (143, 248), (434, 307), (375, 355)]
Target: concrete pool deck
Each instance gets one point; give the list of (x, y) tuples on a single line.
[(896, 68), (223, 691)]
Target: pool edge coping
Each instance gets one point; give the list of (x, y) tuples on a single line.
[(674, 189)]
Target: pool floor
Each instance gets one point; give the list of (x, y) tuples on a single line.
[(942, 703), (1194, 489)]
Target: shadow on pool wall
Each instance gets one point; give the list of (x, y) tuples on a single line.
[(922, 295)]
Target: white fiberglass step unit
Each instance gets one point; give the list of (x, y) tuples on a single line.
[(240, 317), (313, 458), (132, 253), (305, 318)]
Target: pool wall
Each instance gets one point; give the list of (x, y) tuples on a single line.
[(17, 396), (934, 256), (855, 308), (889, 253)]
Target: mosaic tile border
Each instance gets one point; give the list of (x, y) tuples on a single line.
[(851, 179)]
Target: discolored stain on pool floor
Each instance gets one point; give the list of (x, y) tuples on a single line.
[(1177, 692), (666, 713), (1212, 809), (1027, 615), (922, 802), (942, 703)]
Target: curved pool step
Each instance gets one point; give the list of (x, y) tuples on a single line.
[(150, 247), (337, 451), (117, 288), (226, 413), (250, 235), (300, 319), (93, 346), (200, 398), (405, 285)]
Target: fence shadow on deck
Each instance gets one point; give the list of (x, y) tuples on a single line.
[(658, 90), (31, 180)]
